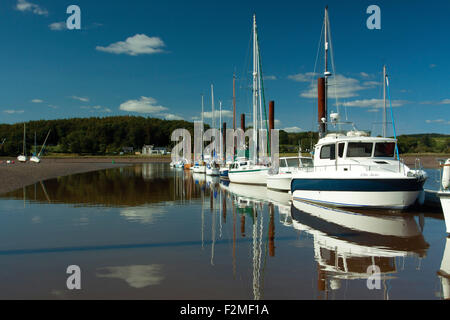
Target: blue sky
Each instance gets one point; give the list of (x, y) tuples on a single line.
[(156, 58)]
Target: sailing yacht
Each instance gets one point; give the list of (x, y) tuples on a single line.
[(23, 156), (200, 166), (352, 169), (37, 157), (252, 171)]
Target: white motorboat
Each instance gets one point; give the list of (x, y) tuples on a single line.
[(352, 169), (444, 193), (358, 171), (281, 181)]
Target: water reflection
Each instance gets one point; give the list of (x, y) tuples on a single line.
[(230, 233), (347, 243), (444, 271)]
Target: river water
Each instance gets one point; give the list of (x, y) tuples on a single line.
[(151, 232)]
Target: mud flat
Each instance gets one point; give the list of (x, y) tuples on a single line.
[(427, 161), (17, 175)]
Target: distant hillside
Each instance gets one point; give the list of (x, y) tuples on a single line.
[(91, 135), (103, 136)]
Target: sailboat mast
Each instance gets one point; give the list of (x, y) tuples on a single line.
[(255, 91), (24, 148), (234, 101), (384, 100), (213, 120), (220, 129), (326, 65), (203, 126)]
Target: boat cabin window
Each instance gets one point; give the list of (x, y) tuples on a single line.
[(359, 149), (283, 163), (341, 149), (293, 163), (328, 152), (384, 149), (306, 162)]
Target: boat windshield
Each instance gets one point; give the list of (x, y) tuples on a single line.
[(293, 163), (359, 149), (307, 162), (384, 149)]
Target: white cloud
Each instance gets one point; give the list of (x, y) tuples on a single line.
[(363, 74), (225, 114), (432, 66), (303, 77), (270, 78), (136, 276), (96, 109), (170, 116), (339, 86), (143, 105), (133, 46), (373, 103), (83, 99), (293, 129), (438, 121), (58, 26), (37, 101), (371, 83), (13, 111), (23, 5), (444, 101), (277, 123)]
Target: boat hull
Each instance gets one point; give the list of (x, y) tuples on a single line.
[(445, 203), (212, 172), (224, 174), (200, 169), (253, 176), (280, 182), (394, 193)]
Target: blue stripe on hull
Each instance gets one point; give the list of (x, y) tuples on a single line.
[(371, 185)]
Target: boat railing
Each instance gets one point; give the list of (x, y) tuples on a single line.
[(353, 166)]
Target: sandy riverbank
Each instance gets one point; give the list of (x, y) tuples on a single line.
[(17, 175)]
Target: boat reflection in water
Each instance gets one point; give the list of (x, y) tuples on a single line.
[(248, 205), (444, 271), (348, 244)]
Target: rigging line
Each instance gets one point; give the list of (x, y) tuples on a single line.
[(392, 115)]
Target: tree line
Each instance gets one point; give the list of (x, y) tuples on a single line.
[(109, 135)]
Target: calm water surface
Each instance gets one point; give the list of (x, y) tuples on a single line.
[(150, 232)]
